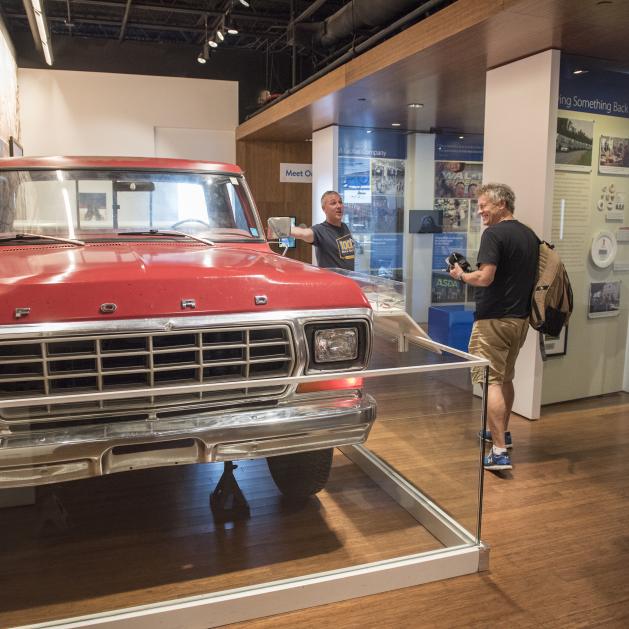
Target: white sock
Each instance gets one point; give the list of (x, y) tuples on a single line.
[(497, 450)]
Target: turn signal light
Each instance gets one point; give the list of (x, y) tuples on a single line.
[(330, 385)]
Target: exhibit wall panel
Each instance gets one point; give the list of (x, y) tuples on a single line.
[(520, 129), (261, 163), (583, 207), (9, 123), (93, 113)]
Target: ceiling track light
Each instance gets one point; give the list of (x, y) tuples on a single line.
[(212, 43), (204, 55), (41, 27), (219, 35), (244, 3), (229, 25)]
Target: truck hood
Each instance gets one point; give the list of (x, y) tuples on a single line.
[(148, 280)]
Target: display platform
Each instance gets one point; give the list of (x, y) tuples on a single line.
[(141, 548)]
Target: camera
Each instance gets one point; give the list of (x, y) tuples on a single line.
[(456, 257)]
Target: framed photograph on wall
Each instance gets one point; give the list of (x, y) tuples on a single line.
[(556, 345), (604, 299), (15, 148), (573, 150)]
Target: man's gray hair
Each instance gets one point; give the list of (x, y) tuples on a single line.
[(326, 194), (498, 192)]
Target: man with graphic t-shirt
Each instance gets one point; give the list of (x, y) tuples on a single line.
[(332, 238), (504, 281)]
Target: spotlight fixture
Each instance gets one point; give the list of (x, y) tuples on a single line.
[(219, 35), (461, 137), (204, 55), (42, 30), (230, 27), (416, 105), (396, 124), (244, 3), (580, 71), (212, 43)]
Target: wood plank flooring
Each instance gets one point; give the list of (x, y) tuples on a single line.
[(557, 525)]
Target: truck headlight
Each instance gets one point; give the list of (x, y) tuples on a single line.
[(338, 345), (335, 344)]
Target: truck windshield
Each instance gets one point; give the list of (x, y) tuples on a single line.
[(102, 204)]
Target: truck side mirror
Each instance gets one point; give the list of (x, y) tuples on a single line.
[(279, 226)]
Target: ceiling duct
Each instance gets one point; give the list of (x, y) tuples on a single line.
[(360, 15)]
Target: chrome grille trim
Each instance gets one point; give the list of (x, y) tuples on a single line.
[(104, 362)]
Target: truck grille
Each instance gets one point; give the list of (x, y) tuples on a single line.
[(108, 362)]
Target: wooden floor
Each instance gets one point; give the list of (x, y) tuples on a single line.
[(557, 525)]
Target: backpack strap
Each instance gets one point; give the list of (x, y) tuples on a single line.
[(542, 349)]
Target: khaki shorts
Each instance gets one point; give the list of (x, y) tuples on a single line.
[(499, 341)]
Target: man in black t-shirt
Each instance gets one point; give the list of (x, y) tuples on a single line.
[(504, 281), (332, 238)]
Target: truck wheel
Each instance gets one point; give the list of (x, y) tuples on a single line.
[(301, 475)]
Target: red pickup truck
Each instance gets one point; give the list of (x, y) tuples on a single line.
[(145, 321)]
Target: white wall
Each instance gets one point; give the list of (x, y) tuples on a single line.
[(95, 113), (519, 149)]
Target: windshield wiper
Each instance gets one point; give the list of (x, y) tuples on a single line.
[(167, 232), (27, 236)]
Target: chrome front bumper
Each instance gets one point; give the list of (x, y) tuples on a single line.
[(62, 454)]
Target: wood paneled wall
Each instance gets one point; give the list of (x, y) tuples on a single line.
[(261, 163)]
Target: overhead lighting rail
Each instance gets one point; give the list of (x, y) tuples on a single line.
[(39, 27), (224, 26)]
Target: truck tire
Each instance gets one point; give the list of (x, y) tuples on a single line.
[(301, 475)]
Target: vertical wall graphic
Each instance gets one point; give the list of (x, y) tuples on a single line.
[(458, 175), (372, 169)]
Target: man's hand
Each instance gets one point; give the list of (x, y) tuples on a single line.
[(455, 271)]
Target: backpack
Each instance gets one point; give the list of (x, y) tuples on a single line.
[(551, 301)]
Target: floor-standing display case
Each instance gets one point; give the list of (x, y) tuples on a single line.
[(144, 547)]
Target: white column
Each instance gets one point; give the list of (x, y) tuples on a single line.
[(520, 130), (325, 144), (419, 193)]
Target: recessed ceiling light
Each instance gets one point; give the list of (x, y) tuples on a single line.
[(368, 131), (416, 105), (461, 137), (396, 124), (580, 71)]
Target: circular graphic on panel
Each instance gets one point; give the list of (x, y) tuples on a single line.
[(604, 248)]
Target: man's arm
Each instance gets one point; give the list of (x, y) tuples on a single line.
[(484, 276), (303, 233)]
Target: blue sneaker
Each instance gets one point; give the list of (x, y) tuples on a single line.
[(495, 461), (486, 436)]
